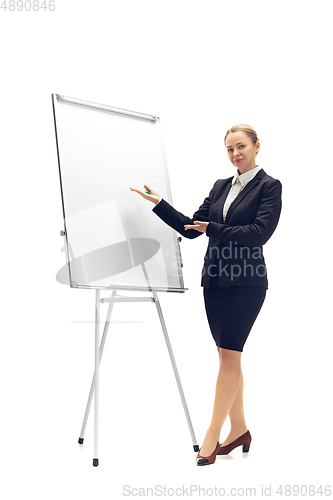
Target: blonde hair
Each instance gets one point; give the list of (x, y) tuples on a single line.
[(242, 127)]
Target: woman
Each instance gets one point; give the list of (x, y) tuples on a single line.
[(239, 216)]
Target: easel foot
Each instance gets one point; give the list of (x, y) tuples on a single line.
[(196, 447), (80, 441), (95, 462)]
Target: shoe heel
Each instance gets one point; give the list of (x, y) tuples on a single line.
[(246, 447)]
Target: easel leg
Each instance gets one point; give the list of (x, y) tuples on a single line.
[(92, 387), (173, 362), (97, 359)]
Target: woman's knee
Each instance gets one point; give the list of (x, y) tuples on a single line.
[(228, 356)]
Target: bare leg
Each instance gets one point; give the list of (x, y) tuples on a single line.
[(227, 386), (236, 415)]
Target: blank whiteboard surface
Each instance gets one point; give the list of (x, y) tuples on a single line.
[(113, 238)]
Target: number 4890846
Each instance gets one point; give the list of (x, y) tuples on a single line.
[(27, 5)]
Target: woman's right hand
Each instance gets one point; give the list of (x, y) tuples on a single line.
[(153, 197)]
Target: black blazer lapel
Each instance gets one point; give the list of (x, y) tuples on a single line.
[(250, 185), (222, 199)]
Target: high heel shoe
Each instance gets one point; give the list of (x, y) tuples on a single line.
[(208, 460), (244, 439)]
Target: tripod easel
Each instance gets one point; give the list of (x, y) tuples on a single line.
[(99, 347), (99, 252)]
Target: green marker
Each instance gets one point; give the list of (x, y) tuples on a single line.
[(148, 192)]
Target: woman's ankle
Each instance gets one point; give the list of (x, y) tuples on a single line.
[(238, 430), (213, 433)]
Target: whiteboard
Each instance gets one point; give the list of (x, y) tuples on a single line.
[(113, 239)]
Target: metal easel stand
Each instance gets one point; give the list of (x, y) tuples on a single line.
[(99, 347)]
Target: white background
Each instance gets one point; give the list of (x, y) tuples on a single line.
[(201, 67)]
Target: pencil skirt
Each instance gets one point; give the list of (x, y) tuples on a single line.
[(231, 312)]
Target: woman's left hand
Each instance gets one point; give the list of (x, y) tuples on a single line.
[(199, 226)]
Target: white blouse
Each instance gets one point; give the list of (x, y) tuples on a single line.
[(237, 184)]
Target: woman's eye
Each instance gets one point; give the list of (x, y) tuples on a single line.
[(242, 146)]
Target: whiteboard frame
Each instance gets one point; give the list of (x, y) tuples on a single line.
[(135, 115)]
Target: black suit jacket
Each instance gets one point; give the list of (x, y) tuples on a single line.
[(234, 254)]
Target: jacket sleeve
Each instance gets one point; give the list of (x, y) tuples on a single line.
[(177, 220), (263, 227)]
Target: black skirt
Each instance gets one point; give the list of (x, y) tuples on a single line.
[(231, 312)]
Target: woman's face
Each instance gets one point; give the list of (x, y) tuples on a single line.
[(241, 151)]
